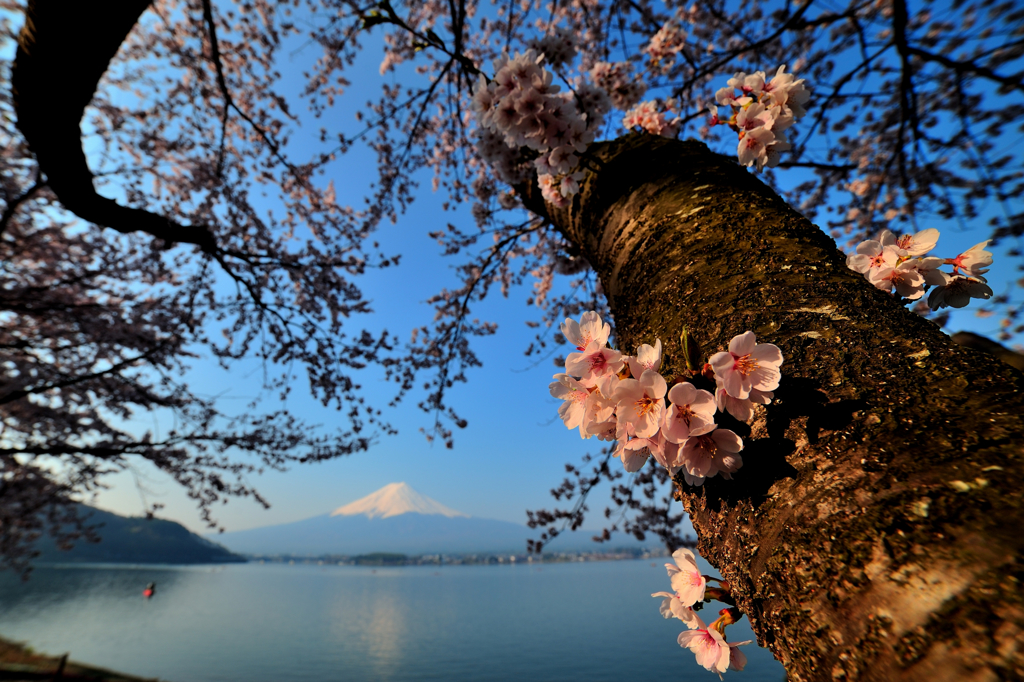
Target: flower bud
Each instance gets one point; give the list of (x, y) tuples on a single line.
[(691, 351)]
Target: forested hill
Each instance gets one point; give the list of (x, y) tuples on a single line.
[(138, 540)]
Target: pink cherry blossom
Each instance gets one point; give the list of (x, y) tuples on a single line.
[(635, 452), (737, 660), (589, 328), (667, 456), (746, 365), (599, 410), (641, 402), (710, 451), (711, 649), (690, 408), (686, 577), (740, 408), (593, 363), (647, 357), (973, 262), (574, 394), (673, 607)]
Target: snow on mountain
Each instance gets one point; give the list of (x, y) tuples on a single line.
[(395, 499), (395, 518)]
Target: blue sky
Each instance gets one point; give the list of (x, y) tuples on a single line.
[(514, 448)]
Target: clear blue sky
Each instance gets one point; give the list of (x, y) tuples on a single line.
[(513, 451)]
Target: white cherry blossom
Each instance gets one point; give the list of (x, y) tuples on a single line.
[(672, 607), (973, 262), (911, 244), (929, 269), (909, 282), (753, 147)]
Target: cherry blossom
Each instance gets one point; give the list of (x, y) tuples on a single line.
[(647, 357), (589, 328), (712, 651), (666, 44), (911, 244), (574, 394), (635, 452), (958, 292), (762, 112), (740, 408), (651, 117), (737, 659), (686, 577), (929, 269), (594, 362), (690, 408), (558, 46), (641, 401), (746, 365), (785, 90), (909, 282), (872, 254), (618, 81), (753, 147), (973, 262), (900, 262), (672, 607), (599, 409), (710, 451)]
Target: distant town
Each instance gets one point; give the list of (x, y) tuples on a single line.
[(394, 559)]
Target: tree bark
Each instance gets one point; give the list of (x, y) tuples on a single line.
[(873, 532)]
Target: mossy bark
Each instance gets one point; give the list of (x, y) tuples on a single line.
[(875, 530)]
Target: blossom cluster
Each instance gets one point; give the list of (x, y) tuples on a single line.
[(618, 81), (666, 44), (761, 112), (558, 47), (623, 399), (651, 116), (707, 642), (522, 106), (902, 263)]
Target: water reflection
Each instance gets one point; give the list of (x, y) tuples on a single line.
[(280, 623)]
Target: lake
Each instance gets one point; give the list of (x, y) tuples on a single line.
[(310, 623)]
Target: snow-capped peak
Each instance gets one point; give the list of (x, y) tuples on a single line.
[(392, 500)]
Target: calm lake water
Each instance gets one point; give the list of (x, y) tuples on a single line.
[(308, 623)]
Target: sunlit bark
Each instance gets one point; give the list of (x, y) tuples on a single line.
[(873, 532)]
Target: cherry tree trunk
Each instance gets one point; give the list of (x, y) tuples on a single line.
[(875, 530)]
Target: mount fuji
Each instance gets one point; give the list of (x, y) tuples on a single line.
[(395, 518)]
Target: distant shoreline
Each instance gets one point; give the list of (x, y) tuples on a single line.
[(478, 559)]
